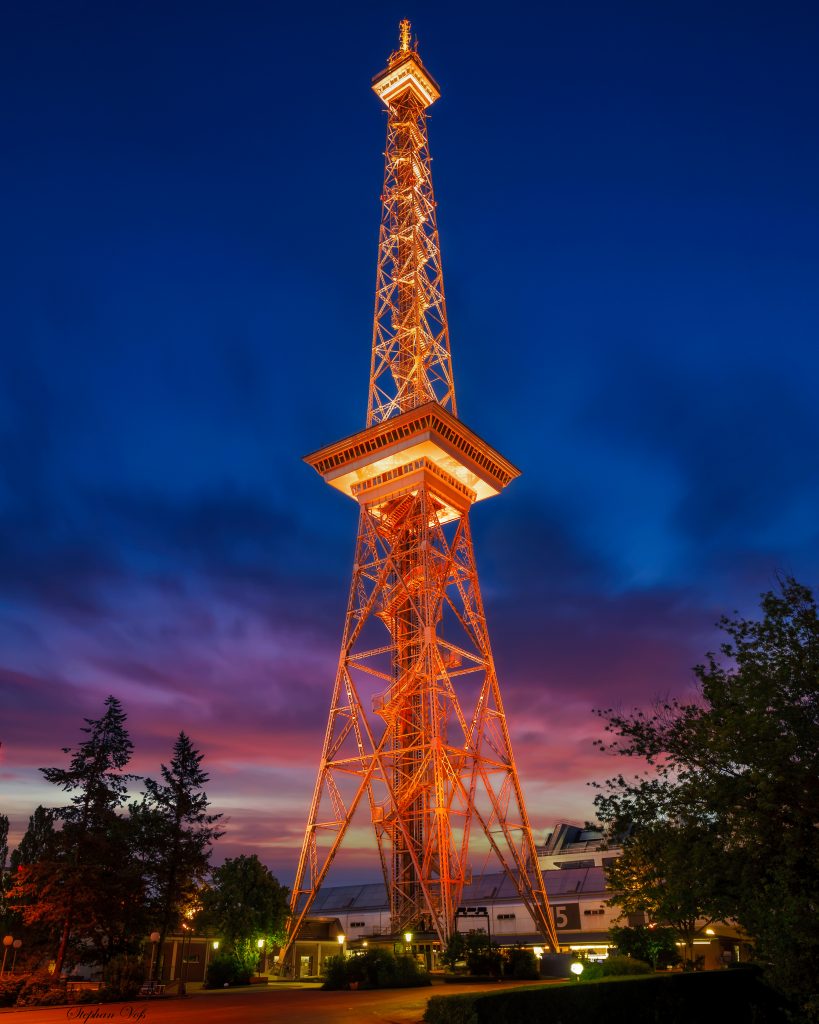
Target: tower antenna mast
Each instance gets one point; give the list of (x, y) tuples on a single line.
[(417, 736)]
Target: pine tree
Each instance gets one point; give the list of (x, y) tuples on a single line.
[(89, 888), (174, 835)]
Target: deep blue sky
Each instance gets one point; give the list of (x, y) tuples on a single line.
[(629, 223)]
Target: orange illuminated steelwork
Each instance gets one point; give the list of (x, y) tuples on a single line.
[(417, 732)]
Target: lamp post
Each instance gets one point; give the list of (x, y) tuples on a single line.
[(154, 941), (7, 942), (16, 944), (185, 935), (340, 940), (260, 947), (408, 943)]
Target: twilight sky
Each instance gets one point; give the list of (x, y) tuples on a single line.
[(630, 232)]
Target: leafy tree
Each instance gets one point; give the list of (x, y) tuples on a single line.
[(244, 903), (656, 946), (38, 846), (174, 833), (734, 773), (39, 840), (90, 890), (673, 872), (482, 956), (454, 951), (4, 856), (4, 841)]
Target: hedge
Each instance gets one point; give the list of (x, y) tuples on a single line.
[(714, 996)]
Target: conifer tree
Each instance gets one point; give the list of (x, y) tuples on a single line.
[(174, 833), (89, 888)]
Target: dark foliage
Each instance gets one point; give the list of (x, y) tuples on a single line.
[(377, 968), (521, 964), (708, 998), (123, 977), (725, 819), (227, 969), (615, 967), (172, 835)]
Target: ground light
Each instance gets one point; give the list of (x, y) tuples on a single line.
[(576, 969)]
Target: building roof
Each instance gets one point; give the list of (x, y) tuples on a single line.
[(496, 886)]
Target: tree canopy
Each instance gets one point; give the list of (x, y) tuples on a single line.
[(729, 806), (173, 834), (245, 903), (85, 887)]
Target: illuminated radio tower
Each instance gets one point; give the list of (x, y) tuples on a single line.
[(417, 731)]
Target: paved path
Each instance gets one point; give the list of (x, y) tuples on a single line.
[(275, 1004)]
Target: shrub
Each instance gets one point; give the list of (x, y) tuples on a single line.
[(615, 967), (520, 963), (10, 989), (227, 969), (40, 989), (454, 951), (335, 973), (705, 998), (123, 977), (657, 946), (482, 957), (408, 974), (377, 968), (374, 969)]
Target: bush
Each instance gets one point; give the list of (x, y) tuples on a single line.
[(657, 946), (706, 998), (10, 989), (454, 951), (227, 969), (615, 967), (377, 968), (521, 964), (408, 974), (335, 973), (123, 977), (482, 957), (40, 989)]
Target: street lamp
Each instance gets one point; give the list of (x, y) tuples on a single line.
[(408, 941), (260, 947), (186, 928), (7, 942), (154, 941), (340, 940), (17, 944), (576, 969)]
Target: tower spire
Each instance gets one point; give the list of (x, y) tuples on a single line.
[(411, 361), (417, 734)]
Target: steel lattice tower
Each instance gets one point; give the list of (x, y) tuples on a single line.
[(416, 731)]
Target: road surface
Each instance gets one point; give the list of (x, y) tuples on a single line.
[(269, 1005)]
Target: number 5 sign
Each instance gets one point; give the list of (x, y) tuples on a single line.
[(567, 916)]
